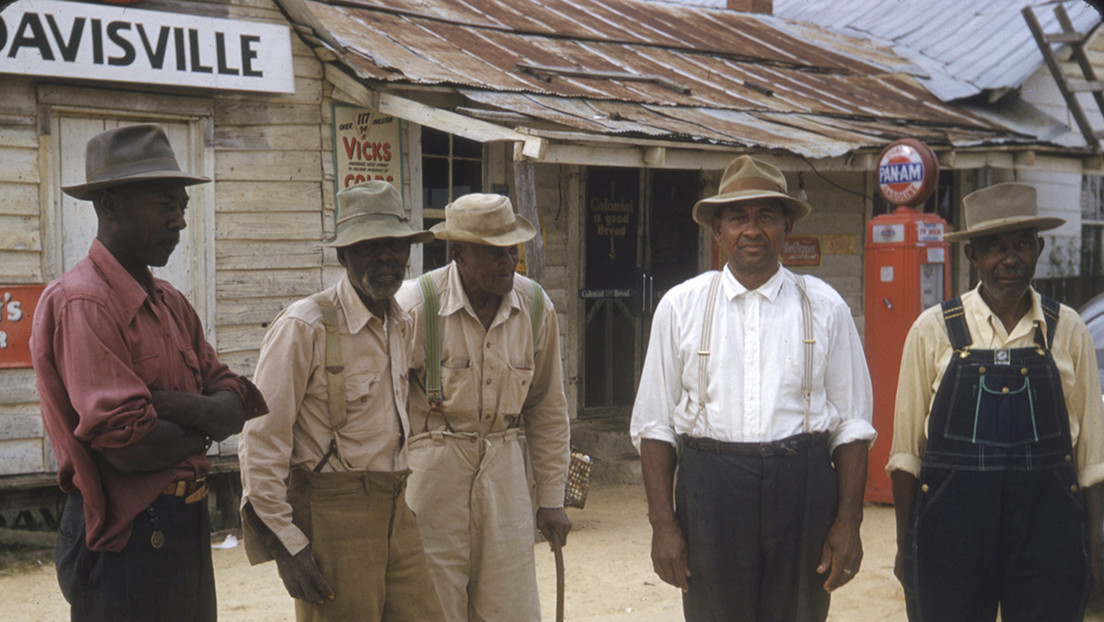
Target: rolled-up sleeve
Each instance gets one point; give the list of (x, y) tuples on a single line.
[(914, 396), (660, 388), (847, 387)]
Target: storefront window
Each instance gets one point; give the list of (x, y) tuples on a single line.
[(451, 167)]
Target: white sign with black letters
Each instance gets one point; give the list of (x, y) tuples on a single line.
[(99, 42)]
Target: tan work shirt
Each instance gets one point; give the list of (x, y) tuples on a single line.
[(491, 378), (928, 351), (291, 374)]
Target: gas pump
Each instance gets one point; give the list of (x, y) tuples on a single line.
[(907, 271)]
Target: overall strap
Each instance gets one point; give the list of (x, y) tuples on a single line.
[(335, 369), (954, 316), (1050, 312), (810, 343), (432, 340)]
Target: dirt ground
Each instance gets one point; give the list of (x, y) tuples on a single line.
[(608, 574)]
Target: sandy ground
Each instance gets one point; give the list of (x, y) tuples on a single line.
[(608, 574)]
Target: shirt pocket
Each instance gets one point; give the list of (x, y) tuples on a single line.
[(365, 410), (514, 389), (148, 369), (460, 386)]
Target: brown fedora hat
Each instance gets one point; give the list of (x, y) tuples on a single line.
[(370, 211), (125, 155), (484, 219), (999, 209), (746, 179)]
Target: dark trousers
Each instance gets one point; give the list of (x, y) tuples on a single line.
[(140, 583), (755, 528), (979, 538)]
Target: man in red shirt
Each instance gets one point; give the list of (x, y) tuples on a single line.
[(132, 397)]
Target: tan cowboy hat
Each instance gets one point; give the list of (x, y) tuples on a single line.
[(370, 211), (999, 209), (125, 155), (484, 219), (745, 179)]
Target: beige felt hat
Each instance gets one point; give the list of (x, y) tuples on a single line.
[(484, 219), (999, 209), (745, 179), (370, 211), (125, 155)]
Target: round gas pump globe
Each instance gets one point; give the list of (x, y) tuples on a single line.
[(907, 172)]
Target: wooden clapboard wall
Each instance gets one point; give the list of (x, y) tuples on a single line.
[(260, 222)]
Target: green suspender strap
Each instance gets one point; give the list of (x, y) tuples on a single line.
[(335, 372), (432, 341), (434, 394)]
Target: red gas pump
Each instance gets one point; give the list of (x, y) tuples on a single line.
[(907, 271)]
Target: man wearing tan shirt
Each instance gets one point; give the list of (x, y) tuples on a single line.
[(998, 442), (323, 476), (494, 402)]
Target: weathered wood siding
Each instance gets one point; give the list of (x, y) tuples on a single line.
[(269, 157)]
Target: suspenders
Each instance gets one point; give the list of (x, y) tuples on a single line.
[(335, 375), (707, 332), (955, 318), (434, 394)]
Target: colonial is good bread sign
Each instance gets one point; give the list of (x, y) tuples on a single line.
[(113, 43)]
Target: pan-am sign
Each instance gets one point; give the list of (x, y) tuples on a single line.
[(88, 41)]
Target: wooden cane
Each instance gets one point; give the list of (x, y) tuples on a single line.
[(557, 550)]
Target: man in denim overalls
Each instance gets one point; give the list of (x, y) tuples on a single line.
[(998, 444)]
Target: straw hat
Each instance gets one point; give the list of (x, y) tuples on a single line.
[(999, 209), (370, 211), (745, 179), (484, 219), (126, 155)]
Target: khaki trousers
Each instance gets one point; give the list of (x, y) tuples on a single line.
[(475, 512), (366, 543)]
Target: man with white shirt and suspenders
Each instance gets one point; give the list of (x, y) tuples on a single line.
[(324, 476), (755, 386), (486, 405)]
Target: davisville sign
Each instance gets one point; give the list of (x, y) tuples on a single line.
[(100, 42)]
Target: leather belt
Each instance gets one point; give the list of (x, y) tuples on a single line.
[(785, 447), (190, 491)]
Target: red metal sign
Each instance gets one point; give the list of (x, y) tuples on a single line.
[(801, 250), (17, 305), (907, 172)]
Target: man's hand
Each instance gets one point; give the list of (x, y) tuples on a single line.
[(670, 559), (218, 416), (551, 520), (842, 554), (302, 578)]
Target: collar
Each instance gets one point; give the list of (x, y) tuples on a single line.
[(769, 290), (357, 316), (1025, 326), (453, 298), (127, 291)]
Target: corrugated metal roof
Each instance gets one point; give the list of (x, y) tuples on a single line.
[(965, 48), (754, 80)]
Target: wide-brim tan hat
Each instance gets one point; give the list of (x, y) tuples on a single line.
[(999, 209), (484, 219), (370, 211), (746, 179), (126, 155)]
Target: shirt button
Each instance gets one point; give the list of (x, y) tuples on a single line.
[(488, 344), (489, 381), (925, 488), (363, 399)]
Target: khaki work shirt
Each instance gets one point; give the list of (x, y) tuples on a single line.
[(491, 378), (927, 353), (291, 373)]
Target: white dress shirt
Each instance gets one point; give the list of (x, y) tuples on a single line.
[(755, 367)]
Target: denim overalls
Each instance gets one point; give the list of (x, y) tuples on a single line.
[(999, 516)]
